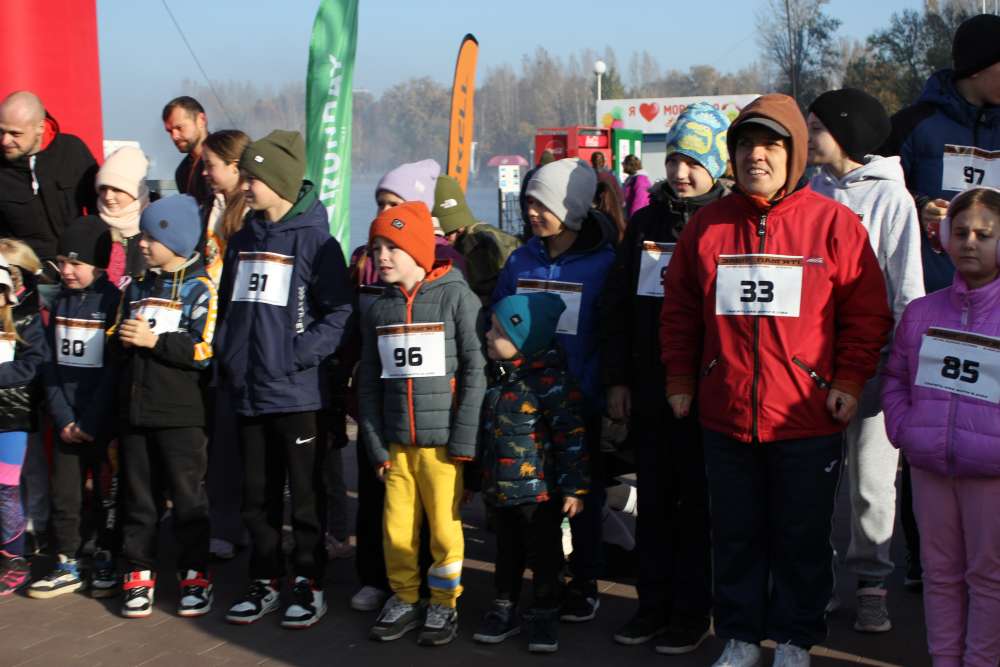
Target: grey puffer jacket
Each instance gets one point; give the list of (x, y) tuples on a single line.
[(429, 411)]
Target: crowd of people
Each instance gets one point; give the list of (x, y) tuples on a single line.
[(802, 298)]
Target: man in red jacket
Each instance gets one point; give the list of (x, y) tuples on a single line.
[(775, 312)]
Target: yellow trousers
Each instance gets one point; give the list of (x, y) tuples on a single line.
[(422, 480)]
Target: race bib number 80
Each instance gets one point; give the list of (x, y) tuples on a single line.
[(758, 285), (79, 342), (411, 350), (961, 363)]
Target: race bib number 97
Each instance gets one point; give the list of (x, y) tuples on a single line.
[(758, 285), (411, 350), (264, 277), (960, 363), (965, 167)]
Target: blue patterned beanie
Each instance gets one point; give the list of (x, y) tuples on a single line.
[(700, 134)]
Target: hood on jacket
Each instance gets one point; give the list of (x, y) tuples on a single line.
[(876, 168), (783, 110), (50, 131), (941, 92), (597, 231)]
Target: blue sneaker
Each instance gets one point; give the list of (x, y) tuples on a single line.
[(64, 578)]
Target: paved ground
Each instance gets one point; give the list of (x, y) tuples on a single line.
[(76, 630)]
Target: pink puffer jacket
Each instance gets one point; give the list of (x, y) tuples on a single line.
[(938, 430)]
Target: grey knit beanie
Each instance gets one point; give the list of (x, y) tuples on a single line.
[(566, 187)]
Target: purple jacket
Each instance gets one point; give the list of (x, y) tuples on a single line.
[(940, 431), (636, 192)]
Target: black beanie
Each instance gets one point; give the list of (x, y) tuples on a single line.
[(856, 120), (87, 240), (976, 45)]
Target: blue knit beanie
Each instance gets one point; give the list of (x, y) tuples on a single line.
[(530, 320), (175, 222), (700, 134)]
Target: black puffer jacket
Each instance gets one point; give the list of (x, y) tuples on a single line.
[(20, 384)]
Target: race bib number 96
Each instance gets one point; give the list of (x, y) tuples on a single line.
[(758, 285), (264, 277), (411, 350), (961, 363)]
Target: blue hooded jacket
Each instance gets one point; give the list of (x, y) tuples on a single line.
[(270, 355), (587, 262)]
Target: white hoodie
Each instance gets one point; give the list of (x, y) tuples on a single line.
[(877, 193)]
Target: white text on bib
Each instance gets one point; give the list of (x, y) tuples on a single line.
[(965, 167), (653, 265), (758, 285), (163, 315), (411, 350), (570, 293), (7, 344), (961, 363), (264, 277), (79, 342)]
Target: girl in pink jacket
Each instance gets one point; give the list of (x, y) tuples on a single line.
[(942, 405)]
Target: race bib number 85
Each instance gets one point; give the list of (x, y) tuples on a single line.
[(758, 285), (961, 363), (411, 350)]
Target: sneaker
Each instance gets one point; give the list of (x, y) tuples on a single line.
[(104, 576), (261, 598), (221, 549), (368, 598), (336, 549), (739, 654), (307, 607), (581, 603), (196, 594), (139, 587), (64, 578), (641, 628), (543, 630), (873, 615), (440, 626), (679, 640), (499, 623), (396, 619), (14, 575), (789, 655)]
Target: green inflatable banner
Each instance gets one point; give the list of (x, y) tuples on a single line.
[(328, 111)]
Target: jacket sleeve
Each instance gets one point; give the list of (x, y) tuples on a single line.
[(904, 271), (614, 312), (102, 406), (59, 406), (331, 295), (562, 408), (86, 189), (29, 358), (682, 327), (862, 320), (370, 401), (471, 377), (192, 349), (896, 379)]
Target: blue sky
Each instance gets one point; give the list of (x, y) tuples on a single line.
[(143, 59)]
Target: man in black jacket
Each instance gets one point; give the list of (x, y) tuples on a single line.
[(46, 177), (185, 121)]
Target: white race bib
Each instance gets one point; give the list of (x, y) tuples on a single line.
[(264, 277), (965, 167), (7, 343), (163, 315), (411, 350), (758, 285), (653, 265), (960, 362), (79, 342), (570, 293)]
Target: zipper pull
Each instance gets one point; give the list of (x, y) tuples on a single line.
[(762, 226)]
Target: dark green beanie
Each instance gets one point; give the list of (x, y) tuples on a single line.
[(279, 159), (450, 207)]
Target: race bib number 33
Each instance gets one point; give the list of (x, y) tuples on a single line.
[(961, 363), (264, 277), (411, 350), (758, 285)]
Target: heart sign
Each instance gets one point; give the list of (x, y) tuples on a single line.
[(649, 111)]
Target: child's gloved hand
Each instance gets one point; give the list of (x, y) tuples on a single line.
[(572, 506)]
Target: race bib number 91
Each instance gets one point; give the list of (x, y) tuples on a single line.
[(411, 350), (758, 285), (264, 277), (961, 363)]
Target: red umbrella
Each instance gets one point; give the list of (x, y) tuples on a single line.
[(498, 160)]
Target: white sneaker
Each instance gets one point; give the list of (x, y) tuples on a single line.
[(368, 598), (221, 549), (789, 655), (739, 654), (307, 607)]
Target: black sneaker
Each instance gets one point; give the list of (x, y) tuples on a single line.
[(196, 594), (543, 630), (641, 628), (138, 588), (396, 619), (261, 598), (15, 573), (581, 602), (104, 576), (307, 607), (440, 626), (499, 623), (679, 640)]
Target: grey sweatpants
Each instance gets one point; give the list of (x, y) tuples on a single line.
[(872, 463)]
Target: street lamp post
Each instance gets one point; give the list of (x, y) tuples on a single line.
[(599, 69)]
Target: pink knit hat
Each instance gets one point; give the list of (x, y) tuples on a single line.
[(125, 169)]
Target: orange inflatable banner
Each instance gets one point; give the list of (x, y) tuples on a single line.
[(462, 112)]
